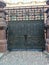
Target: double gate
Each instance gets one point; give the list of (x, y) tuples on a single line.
[(26, 30)]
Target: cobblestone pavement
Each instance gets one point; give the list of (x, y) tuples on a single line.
[(24, 58)]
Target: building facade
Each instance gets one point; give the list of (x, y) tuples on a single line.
[(26, 26)]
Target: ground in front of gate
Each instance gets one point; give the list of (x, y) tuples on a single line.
[(25, 58)]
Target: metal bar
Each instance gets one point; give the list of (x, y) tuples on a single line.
[(29, 36)]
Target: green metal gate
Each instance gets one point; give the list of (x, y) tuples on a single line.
[(26, 34)]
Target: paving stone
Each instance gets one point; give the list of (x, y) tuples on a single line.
[(24, 58)]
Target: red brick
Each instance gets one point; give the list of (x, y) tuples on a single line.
[(47, 33), (2, 42), (2, 34), (3, 48), (3, 45), (2, 20), (2, 15), (47, 47), (47, 41), (47, 22)]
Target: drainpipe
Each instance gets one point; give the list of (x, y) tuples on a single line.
[(3, 26)]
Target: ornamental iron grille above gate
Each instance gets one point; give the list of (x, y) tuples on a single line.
[(25, 13)]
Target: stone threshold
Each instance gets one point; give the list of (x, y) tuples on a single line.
[(1, 54), (46, 53)]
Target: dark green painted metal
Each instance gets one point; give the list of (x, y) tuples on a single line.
[(26, 34)]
